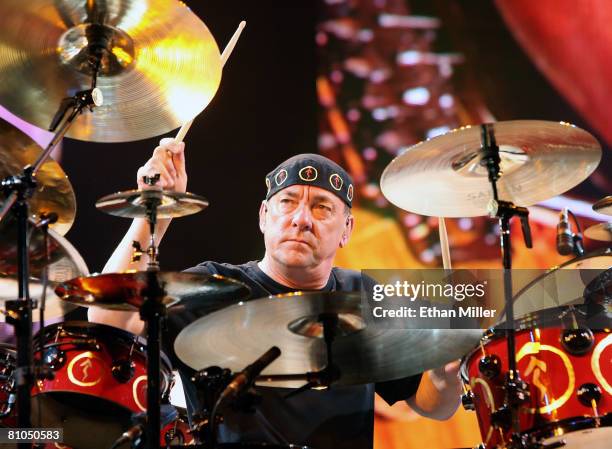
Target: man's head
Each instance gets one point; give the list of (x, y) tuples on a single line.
[(306, 215)]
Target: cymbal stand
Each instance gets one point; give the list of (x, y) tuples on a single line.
[(152, 313), (323, 378), (18, 189), (517, 391)]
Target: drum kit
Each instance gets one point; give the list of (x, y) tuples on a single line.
[(108, 388)]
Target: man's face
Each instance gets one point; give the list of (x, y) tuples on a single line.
[(304, 226)]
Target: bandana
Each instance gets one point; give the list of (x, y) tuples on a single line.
[(311, 170)]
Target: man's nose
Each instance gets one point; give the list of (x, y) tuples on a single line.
[(302, 217)]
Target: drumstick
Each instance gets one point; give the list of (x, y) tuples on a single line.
[(224, 57), (446, 260)]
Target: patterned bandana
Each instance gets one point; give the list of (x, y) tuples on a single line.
[(311, 170)]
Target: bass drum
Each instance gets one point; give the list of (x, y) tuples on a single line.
[(562, 285), (565, 357)]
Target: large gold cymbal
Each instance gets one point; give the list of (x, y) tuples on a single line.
[(53, 192), (160, 68), (442, 176)]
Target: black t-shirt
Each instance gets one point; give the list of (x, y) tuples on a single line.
[(341, 417)]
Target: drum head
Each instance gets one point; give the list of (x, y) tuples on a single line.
[(562, 285)]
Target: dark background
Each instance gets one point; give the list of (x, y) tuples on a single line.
[(265, 111)]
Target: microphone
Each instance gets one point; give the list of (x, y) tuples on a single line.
[(46, 220), (129, 435), (245, 378), (565, 237)]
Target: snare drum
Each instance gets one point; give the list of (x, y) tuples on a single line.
[(568, 369), (100, 380)]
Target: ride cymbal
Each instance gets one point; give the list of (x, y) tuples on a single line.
[(443, 176), (159, 66), (53, 191), (233, 336), (135, 203)]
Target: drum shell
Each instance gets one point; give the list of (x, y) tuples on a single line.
[(553, 375), (90, 351)]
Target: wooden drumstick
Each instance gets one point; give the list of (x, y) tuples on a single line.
[(444, 247), (224, 57)]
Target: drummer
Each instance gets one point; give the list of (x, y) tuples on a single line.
[(304, 218)]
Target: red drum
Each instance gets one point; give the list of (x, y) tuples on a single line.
[(568, 369), (8, 362), (99, 382)]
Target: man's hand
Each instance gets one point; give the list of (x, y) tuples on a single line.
[(169, 161), (439, 392), (446, 378)]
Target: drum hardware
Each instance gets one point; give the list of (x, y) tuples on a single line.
[(604, 205), (18, 189), (490, 366), (589, 395)]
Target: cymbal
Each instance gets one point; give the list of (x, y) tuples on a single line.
[(604, 205), (443, 177), (160, 64), (124, 291), (133, 203), (600, 231), (65, 263), (53, 192), (233, 336)]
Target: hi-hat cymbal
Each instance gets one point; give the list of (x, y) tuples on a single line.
[(600, 231), (53, 192), (133, 203), (125, 291), (604, 205), (64, 263), (160, 65), (233, 336), (443, 176)]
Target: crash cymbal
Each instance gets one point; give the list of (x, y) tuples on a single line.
[(600, 231), (160, 64), (53, 192), (124, 291), (604, 206), (133, 203), (65, 263), (443, 177), (233, 336)]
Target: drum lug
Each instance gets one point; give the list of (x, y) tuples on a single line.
[(123, 370), (587, 393), (502, 418), (54, 358), (467, 400), (577, 341), (490, 366)]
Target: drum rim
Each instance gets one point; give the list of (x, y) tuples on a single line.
[(126, 336)]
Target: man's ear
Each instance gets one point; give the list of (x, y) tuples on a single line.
[(348, 230), (263, 209)]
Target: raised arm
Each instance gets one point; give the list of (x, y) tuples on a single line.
[(168, 160)]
